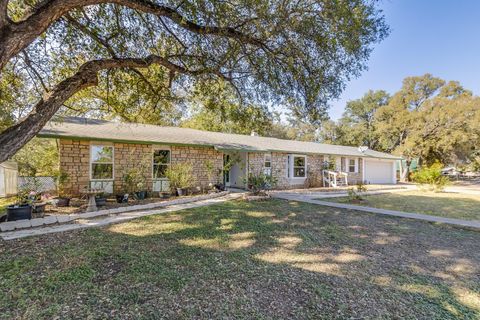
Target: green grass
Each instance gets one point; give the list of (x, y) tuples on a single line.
[(266, 260), (450, 205)]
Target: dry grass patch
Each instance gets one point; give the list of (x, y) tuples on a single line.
[(443, 204), (267, 260)]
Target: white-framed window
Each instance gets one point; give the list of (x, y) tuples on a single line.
[(351, 165), (267, 164), (101, 162), (296, 166), (299, 166), (161, 162)]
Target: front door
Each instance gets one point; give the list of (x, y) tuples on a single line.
[(226, 173)]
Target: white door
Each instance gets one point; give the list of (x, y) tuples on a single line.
[(378, 171)]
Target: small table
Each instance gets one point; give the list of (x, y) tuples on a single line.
[(91, 194)]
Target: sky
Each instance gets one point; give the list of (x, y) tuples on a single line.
[(441, 37)]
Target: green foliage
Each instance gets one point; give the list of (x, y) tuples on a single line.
[(354, 194), (180, 175), (260, 182), (431, 176), (39, 157), (332, 42), (134, 180), (428, 118)]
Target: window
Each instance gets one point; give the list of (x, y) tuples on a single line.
[(299, 165), (267, 164), (101, 162), (161, 161), (352, 165)]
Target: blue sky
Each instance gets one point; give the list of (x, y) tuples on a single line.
[(441, 37)]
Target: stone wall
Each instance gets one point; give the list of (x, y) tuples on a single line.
[(75, 157), (129, 156), (199, 157), (279, 169), (74, 161)]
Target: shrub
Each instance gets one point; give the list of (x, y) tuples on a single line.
[(134, 180), (258, 183), (179, 175), (354, 193), (432, 177)]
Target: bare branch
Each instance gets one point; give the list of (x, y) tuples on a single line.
[(20, 34), (4, 20), (13, 138)]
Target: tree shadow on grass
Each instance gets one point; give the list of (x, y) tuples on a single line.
[(272, 259)]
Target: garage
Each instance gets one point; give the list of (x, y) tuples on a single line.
[(379, 171)]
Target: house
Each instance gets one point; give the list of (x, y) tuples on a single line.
[(97, 153), (8, 179)]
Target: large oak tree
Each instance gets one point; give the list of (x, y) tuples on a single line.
[(297, 53)]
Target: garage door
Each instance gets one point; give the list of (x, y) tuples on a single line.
[(379, 171)]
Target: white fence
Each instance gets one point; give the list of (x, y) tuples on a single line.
[(8, 179)]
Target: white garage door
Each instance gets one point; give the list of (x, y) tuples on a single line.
[(377, 171)]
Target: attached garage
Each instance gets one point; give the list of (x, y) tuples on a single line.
[(379, 171)]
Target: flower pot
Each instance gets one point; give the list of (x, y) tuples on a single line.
[(38, 209), (62, 202), (182, 191), (121, 198), (21, 212), (141, 195), (101, 201), (164, 195)]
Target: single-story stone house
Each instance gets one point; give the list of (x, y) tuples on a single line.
[(97, 153)]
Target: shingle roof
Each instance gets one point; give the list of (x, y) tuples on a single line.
[(90, 129)]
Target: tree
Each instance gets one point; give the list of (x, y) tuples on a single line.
[(428, 119), (358, 120), (215, 108), (39, 157), (299, 53)]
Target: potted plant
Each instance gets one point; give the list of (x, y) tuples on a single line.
[(122, 198), (180, 177), (101, 200), (22, 209), (63, 199), (134, 182)]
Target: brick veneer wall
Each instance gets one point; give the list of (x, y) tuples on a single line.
[(75, 161)]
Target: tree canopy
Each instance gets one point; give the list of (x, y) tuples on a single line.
[(428, 118), (139, 59)]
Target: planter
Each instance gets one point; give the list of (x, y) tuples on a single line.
[(141, 195), (19, 212), (182, 191), (38, 210), (121, 198), (62, 202), (101, 201), (164, 195)]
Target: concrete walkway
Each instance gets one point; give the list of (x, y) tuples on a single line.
[(117, 218), (411, 215)]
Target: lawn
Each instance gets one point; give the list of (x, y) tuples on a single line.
[(267, 260), (450, 205)]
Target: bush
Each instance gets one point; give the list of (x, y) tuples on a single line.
[(431, 177), (179, 175), (354, 193), (258, 183), (134, 180)]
